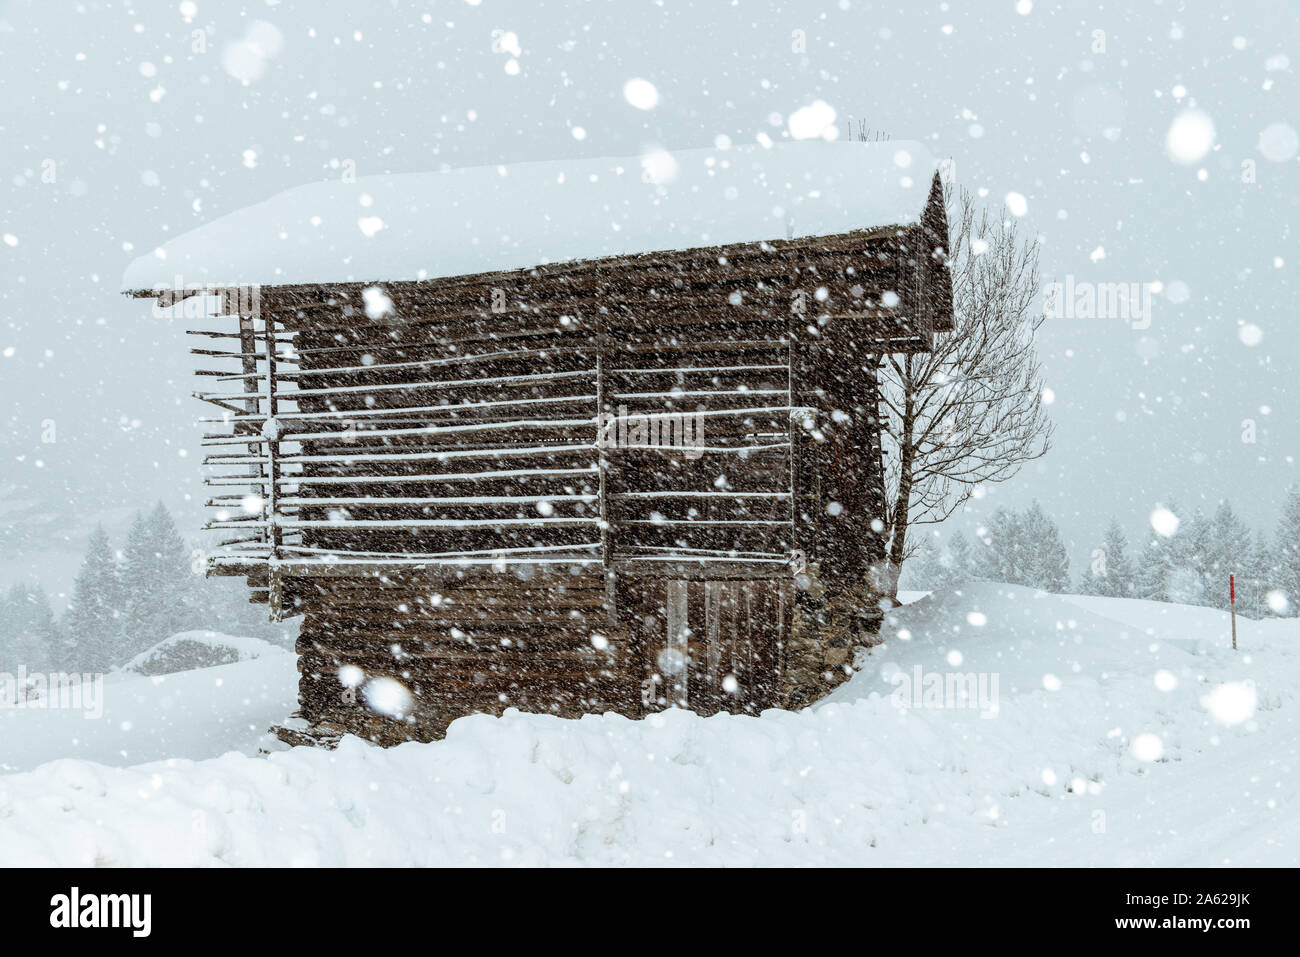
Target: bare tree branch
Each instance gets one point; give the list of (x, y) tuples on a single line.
[(970, 412)]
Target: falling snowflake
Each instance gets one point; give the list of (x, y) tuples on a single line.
[(1147, 747)]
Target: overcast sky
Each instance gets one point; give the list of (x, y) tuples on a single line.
[(121, 126)]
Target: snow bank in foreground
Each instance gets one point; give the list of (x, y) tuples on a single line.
[(1058, 776)]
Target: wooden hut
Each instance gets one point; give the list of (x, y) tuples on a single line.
[(568, 437)]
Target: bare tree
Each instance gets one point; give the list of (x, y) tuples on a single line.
[(971, 411)]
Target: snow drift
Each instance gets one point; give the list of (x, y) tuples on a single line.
[(1064, 772), (188, 650), (200, 714)]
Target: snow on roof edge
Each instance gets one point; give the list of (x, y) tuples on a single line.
[(416, 226)]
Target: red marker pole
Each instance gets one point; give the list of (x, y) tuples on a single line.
[(1232, 600)]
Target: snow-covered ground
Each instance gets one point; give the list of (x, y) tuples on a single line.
[(200, 714), (1117, 733)]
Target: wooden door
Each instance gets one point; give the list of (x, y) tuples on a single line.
[(714, 646)]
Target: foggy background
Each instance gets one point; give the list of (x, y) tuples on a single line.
[(121, 127)]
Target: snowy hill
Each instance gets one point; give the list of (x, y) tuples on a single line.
[(195, 714), (1109, 732)]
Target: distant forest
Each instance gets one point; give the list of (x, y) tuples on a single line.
[(125, 600), (1185, 558)]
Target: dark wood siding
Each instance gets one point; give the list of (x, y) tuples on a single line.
[(435, 495)]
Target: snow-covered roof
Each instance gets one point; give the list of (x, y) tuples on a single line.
[(456, 222)]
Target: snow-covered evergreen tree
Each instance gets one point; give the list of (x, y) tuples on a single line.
[(8, 644), (940, 565), (1110, 573), (1044, 561), (44, 637), (1023, 549), (999, 556), (1192, 564), (1256, 579), (924, 570), (31, 636), (961, 558), (1228, 551), (1159, 560), (93, 624), (1194, 549), (161, 594), (1286, 556)]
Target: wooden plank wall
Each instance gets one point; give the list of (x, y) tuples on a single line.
[(438, 420), (483, 645)]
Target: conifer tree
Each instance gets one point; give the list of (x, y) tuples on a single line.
[(93, 623), (999, 556), (1044, 562), (940, 565), (1227, 552), (1110, 573), (1257, 579), (33, 638), (1287, 552), (9, 652), (961, 558), (1154, 574), (925, 570), (161, 597), (1024, 548)]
